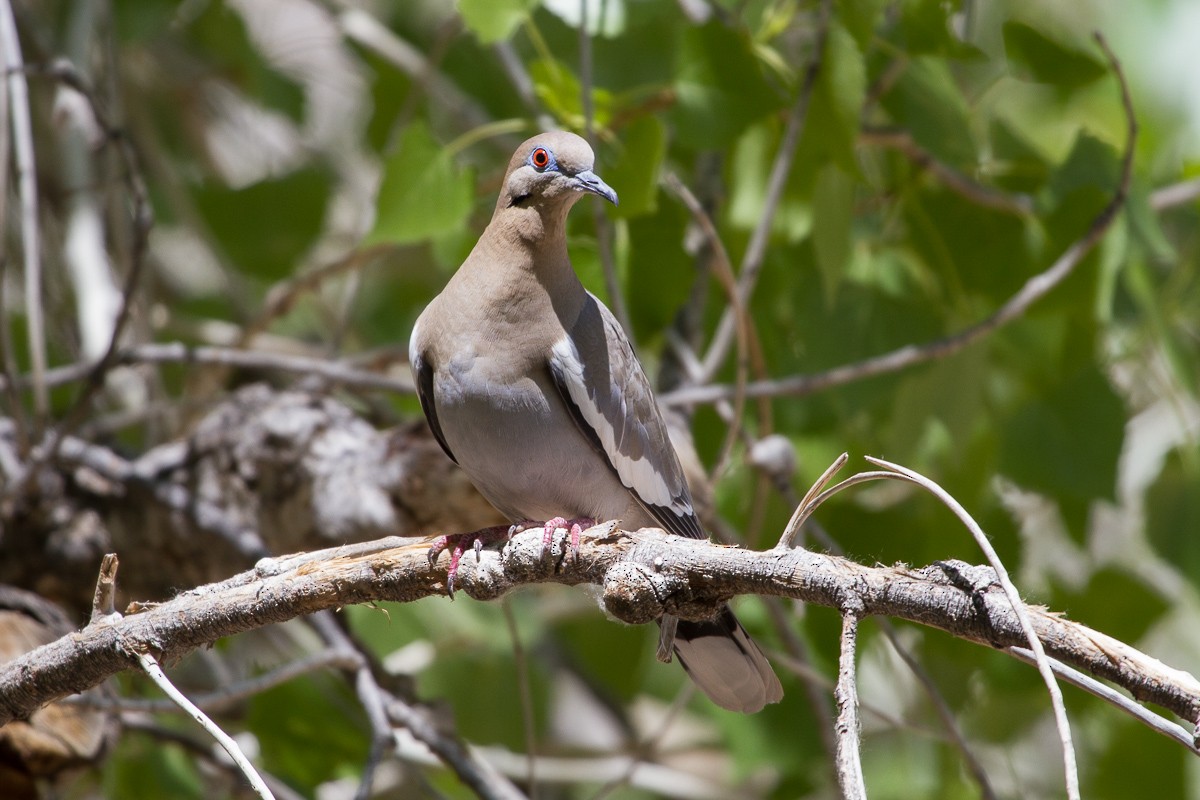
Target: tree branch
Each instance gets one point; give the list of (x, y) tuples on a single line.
[(952, 596)]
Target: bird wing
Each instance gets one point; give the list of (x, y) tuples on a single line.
[(423, 372), (603, 386)]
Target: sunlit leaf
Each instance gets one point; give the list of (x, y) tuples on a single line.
[(494, 20), (635, 175), (424, 194)]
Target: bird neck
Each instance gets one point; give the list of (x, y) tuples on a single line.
[(524, 246), (533, 239)]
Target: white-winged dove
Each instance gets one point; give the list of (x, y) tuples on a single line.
[(531, 386)]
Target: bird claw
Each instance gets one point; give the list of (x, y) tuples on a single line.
[(574, 527), (457, 544)]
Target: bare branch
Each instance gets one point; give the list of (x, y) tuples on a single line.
[(1032, 291), (756, 250), (22, 130), (955, 181), (150, 666), (952, 596), (178, 353), (849, 763), (1014, 596)]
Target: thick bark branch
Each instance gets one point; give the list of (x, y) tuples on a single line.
[(642, 574)]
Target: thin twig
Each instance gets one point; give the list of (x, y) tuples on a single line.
[(202, 748), (941, 708), (979, 194), (756, 250), (849, 762), (645, 750), (723, 271), (1016, 306), (228, 697), (521, 663), (807, 504), (616, 300), (477, 773), (22, 132), (179, 353), (151, 668), (1014, 597), (1177, 194), (106, 588), (1110, 695), (370, 695)]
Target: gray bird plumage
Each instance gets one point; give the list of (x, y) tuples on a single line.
[(531, 386)]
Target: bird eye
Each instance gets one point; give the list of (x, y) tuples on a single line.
[(540, 158)]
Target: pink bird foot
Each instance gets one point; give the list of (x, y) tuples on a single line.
[(459, 542), (574, 526)]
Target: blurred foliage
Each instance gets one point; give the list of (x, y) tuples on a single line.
[(279, 136)]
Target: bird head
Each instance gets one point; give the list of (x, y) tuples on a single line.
[(552, 170)]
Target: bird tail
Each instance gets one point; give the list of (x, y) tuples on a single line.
[(721, 658)]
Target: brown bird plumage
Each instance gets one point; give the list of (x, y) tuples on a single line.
[(531, 386)]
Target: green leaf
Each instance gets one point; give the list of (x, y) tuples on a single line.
[(748, 174), (924, 29), (265, 228), (1173, 511), (1047, 58), (1126, 604), (860, 18), (494, 20), (929, 104), (833, 214), (1067, 442), (424, 194), (559, 89), (1092, 164), (831, 125), (719, 88), (635, 175)]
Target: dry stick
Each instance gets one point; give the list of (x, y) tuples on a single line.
[(227, 697), (942, 709), (103, 612), (804, 510), (725, 277), (1014, 597), (1110, 695), (1176, 194), (950, 596), (475, 772), (977, 193), (756, 250), (370, 695), (22, 132), (8, 358), (603, 230), (849, 763), (200, 748), (1033, 290), (1105, 693), (150, 667), (178, 353)]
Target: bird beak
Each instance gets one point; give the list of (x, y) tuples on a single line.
[(588, 181)]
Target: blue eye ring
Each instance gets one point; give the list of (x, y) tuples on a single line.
[(541, 159)]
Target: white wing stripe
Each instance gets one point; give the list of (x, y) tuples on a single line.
[(637, 474)]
